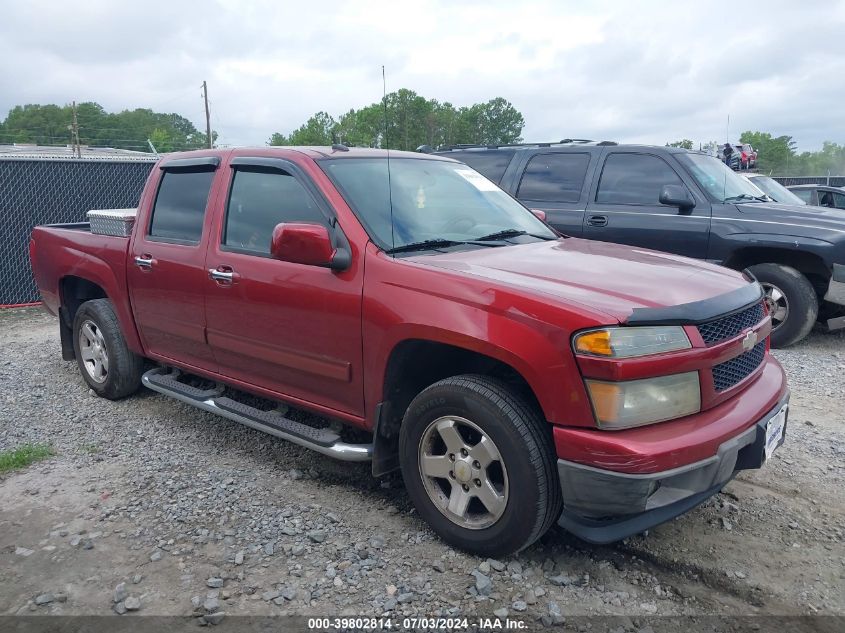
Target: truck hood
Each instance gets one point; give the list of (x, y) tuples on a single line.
[(804, 216), (609, 278)]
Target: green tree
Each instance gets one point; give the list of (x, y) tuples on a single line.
[(685, 144), (49, 125), (161, 140), (278, 139), (405, 120), (494, 122), (320, 129)]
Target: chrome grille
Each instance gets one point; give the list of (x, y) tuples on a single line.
[(729, 326), (732, 372)]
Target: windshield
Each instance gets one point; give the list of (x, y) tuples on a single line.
[(434, 203), (718, 180), (776, 191)]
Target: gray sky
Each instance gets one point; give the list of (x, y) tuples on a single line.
[(628, 71)]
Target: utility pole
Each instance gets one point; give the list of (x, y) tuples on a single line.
[(207, 116), (74, 129)]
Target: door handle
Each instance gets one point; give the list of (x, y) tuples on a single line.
[(144, 261), (223, 275), (597, 220)]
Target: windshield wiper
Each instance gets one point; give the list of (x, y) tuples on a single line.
[(506, 233), (422, 245), (744, 196)]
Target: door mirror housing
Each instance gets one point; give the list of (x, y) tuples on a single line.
[(308, 244), (676, 196), (539, 214)]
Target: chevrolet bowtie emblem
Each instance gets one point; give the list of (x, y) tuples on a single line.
[(749, 341)]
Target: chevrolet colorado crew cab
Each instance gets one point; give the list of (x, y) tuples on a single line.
[(687, 203), (517, 378)]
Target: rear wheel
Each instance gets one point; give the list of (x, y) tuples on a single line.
[(479, 465), (105, 362), (791, 300)]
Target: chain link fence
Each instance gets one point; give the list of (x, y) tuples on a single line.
[(789, 181), (36, 192)]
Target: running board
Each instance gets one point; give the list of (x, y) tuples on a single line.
[(323, 441)]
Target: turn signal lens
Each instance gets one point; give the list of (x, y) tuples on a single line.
[(595, 343), (628, 342)]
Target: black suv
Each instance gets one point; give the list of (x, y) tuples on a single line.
[(682, 202)]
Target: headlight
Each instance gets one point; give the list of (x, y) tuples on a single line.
[(626, 342), (621, 405)]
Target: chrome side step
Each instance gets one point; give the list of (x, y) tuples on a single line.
[(325, 441)]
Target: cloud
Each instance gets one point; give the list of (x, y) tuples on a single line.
[(643, 72)]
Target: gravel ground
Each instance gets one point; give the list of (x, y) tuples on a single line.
[(155, 507)]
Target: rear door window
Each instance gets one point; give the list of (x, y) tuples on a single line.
[(260, 199), (179, 210), (554, 177), (839, 200), (634, 179)]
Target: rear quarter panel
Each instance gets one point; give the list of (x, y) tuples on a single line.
[(100, 259)]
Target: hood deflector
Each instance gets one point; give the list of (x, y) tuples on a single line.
[(698, 312)]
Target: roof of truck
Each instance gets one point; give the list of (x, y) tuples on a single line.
[(314, 152)]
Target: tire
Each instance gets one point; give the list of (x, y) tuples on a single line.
[(525, 474), (799, 300), (106, 364)]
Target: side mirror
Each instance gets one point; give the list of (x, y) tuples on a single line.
[(676, 196), (308, 244), (539, 213)]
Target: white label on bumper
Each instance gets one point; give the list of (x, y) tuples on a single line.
[(774, 430)]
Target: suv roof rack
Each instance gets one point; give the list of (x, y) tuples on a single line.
[(565, 141)]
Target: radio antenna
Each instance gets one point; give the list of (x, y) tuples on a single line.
[(387, 147)]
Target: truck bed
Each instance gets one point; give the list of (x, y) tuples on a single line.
[(60, 251)]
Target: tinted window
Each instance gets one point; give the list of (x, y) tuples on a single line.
[(261, 199), (491, 163), (839, 200), (180, 205), (554, 177), (804, 194), (634, 179)]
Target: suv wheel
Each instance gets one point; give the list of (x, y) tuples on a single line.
[(479, 465), (791, 300), (105, 362)]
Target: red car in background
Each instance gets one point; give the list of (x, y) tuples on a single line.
[(747, 156)]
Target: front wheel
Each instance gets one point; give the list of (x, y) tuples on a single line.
[(479, 465), (105, 362), (791, 300)]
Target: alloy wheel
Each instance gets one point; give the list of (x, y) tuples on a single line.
[(777, 304), (92, 348), (463, 472)]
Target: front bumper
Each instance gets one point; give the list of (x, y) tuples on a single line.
[(603, 506)]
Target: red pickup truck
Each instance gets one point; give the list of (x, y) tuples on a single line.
[(517, 377)]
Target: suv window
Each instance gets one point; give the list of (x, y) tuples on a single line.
[(839, 200), (554, 177), (490, 163), (804, 194), (634, 179), (260, 199), (180, 204)]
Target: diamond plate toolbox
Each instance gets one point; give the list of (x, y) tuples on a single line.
[(116, 222)]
